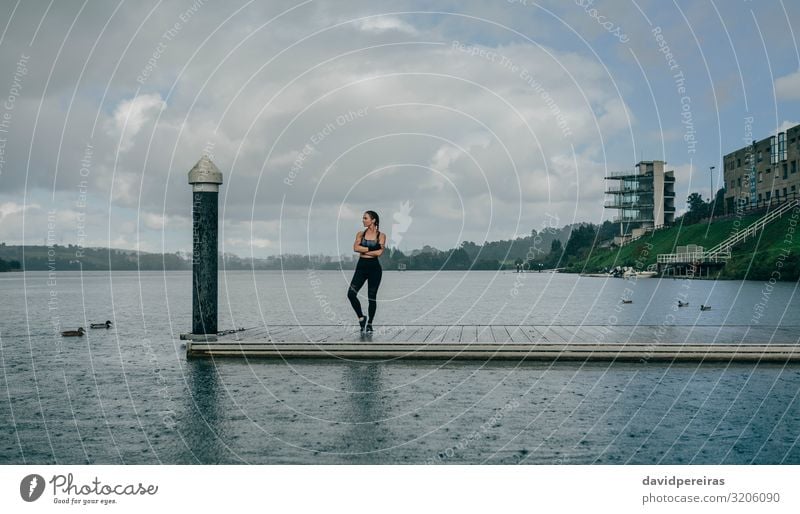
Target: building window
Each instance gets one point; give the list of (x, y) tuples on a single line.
[(785, 171), (760, 178), (794, 166), (784, 192), (739, 181), (768, 195), (782, 146), (759, 197), (758, 159), (739, 163), (794, 189)]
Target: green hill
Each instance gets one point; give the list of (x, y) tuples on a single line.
[(776, 253), (755, 259), (76, 258)]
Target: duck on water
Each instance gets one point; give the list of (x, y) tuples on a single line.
[(73, 333)]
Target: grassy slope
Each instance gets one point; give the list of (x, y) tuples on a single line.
[(766, 250), (774, 252)]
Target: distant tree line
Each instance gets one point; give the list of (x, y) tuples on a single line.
[(76, 258), (549, 248), (10, 265)]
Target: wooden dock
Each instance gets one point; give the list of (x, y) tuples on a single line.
[(639, 343)]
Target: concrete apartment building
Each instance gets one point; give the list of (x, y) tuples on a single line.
[(645, 199), (764, 172)]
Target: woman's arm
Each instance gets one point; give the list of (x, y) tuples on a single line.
[(379, 251), (357, 247)]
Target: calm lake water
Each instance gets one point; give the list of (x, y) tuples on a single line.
[(128, 395)]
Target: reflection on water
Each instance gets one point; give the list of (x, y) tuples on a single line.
[(202, 426), (365, 412)]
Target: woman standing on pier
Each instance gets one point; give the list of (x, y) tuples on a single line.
[(369, 244)]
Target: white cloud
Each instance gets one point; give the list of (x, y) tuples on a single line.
[(788, 86), (131, 115), (254, 242), (126, 188), (8, 209), (153, 221), (386, 23)]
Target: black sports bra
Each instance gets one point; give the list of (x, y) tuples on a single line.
[(372, 244)]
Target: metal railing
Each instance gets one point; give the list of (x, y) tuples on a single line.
[(755, 228), (640, 190), (690, 257), (625, 219), (647, 231), (629, 205), (632, 174), (746, 207), (722, 251)]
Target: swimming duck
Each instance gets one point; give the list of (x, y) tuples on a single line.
[(682, 304), (73, 333), (107, 324), (627, 301), (705, 307)]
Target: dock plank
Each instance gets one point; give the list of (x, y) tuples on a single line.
[(436, 335), (551, 335), (567, 331), (453, 334), (495, 351), (594, 331), (570, 342), (536, 335), (473, 333), (500, 334), (517, 334)]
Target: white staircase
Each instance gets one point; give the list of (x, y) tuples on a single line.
[(722, 252), (752, 230)]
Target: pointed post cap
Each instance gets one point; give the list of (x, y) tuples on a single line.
[(205, 176)]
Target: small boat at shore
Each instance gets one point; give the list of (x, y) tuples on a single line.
[(640, 274), (626, 272)]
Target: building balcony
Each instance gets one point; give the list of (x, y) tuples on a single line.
[(630, 190), (633, 219), (611, 204), (629, 176)]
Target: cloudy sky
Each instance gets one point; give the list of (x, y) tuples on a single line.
[(454, 120)]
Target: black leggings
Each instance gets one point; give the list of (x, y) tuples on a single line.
[(366, 269)]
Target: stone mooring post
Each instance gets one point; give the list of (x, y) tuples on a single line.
[(205, 179)]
